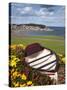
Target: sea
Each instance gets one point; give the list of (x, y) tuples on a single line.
[(55, 31)]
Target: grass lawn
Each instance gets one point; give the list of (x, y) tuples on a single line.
[(55, 43)]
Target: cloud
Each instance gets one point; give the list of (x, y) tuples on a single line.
[(19, 9), (13, 4), (40, 12), (51, 13), (28, 9), (24, 10), (44, 12)]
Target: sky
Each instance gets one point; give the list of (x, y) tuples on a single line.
[(49, 15)]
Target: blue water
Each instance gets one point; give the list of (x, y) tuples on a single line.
[(57, 31)]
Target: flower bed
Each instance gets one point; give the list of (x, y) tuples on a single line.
[(20, 74)]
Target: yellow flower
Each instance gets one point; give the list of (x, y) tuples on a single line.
[(13, 63), (13, 46), (63, 59), (23, 77), (21, 45), (14, 58), (29, 83), (16, 84), (15, 73), (23, 85), (60, 55)]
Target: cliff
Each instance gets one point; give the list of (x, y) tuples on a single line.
[(29, 27)]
